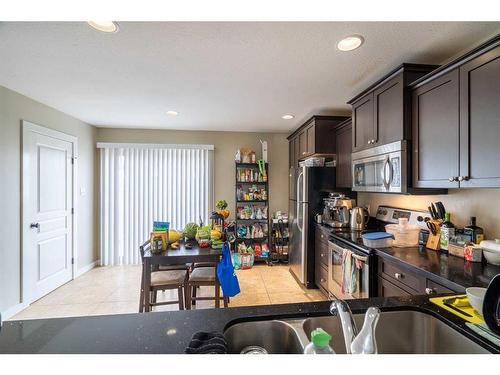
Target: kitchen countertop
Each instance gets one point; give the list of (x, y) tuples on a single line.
[(451, 271), (170, 332)]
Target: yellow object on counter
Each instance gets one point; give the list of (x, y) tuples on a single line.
[(461, 304)]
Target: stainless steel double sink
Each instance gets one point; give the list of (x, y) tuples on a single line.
[(398, 332)]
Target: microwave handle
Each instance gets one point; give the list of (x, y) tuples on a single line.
[(387, 171)]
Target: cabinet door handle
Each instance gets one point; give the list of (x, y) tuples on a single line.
[(322, 255), (303, 152), (430, 291), (452, 178), (34, 225), (322, 280), (463, 178), (398, 275)]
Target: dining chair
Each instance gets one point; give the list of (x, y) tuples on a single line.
[(203, 276), (161, 280)]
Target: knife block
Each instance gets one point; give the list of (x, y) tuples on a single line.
[(434, 239)]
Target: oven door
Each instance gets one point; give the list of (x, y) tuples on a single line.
[(380, 169), (335, 274)]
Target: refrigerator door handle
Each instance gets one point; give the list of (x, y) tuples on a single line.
[(299, 201)]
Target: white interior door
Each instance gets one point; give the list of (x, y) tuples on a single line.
[(47, 210)]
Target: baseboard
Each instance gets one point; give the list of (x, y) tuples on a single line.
[(11, 311), (87, 268)]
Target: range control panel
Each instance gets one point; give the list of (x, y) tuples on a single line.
[(392, 214)]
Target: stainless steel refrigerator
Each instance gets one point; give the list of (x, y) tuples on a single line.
[(307, 187)]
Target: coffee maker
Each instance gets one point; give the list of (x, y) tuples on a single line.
[(336, 210)]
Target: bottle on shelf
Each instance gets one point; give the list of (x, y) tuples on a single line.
[(475, 233), (320, 343), (447, 231)]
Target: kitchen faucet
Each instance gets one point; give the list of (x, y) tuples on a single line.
[(363, 342)]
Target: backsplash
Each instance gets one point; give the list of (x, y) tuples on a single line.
[(461, 203)]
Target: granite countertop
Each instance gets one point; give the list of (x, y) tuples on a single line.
[(170, 332), (448, 270)]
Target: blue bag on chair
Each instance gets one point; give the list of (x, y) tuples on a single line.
[(226, 275)]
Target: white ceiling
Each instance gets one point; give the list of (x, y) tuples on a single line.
[(218, 76)]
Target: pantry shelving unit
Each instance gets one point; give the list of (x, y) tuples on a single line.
[(253, 203)]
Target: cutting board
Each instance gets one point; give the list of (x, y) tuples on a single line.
[(476, 318)]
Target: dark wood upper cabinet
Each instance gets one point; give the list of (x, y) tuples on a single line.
[(380, 114), (310, 132), (302, 151), (291, 153), (388, 123), (362, 117), (343, 140), (315, 137), (480, 121), (435, 133), (456, 129)]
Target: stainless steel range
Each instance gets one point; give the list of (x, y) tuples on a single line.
[(343, 240)]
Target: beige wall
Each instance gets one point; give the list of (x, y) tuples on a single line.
[(461, 203), (15, 107), (226, 144)]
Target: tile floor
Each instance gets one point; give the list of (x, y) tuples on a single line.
[(115, 290)]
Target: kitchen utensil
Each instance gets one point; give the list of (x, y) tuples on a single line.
[(441, 209), (405, 235), (491, 251), (470, 315), (448, 302), (432, 227), (434, 211), (376, 240), (491, 305), (476, 297), (359, 218), (431, 213)]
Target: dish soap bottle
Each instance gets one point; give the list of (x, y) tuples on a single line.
[(447, 231), (475, 233), (320, 343)]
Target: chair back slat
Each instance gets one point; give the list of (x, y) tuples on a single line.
[(144, 247)]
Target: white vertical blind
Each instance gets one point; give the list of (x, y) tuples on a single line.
[(145, 183)]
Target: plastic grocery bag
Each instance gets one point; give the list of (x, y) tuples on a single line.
[(236, 260), (226, 275)]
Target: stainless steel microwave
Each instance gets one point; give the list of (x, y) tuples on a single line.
[(381, 169)]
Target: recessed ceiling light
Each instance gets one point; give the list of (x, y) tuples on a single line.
[(104, 26), (287, 117), (350, 42), (172, 113)]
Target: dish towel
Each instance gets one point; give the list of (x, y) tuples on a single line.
[(484, 332), (349, 280), (207, 343)]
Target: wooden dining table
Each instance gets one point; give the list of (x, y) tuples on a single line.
[(170, 257)]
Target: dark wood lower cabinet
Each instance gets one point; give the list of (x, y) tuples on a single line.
[(388, 289), (398, 279), (321, 278), (321, 258)]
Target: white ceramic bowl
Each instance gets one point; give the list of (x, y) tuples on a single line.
[(492, 257), (476, 298)]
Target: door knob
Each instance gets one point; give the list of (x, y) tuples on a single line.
[(34, 225), (398, 275)]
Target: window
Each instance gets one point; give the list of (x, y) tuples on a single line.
[(140, 184)]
